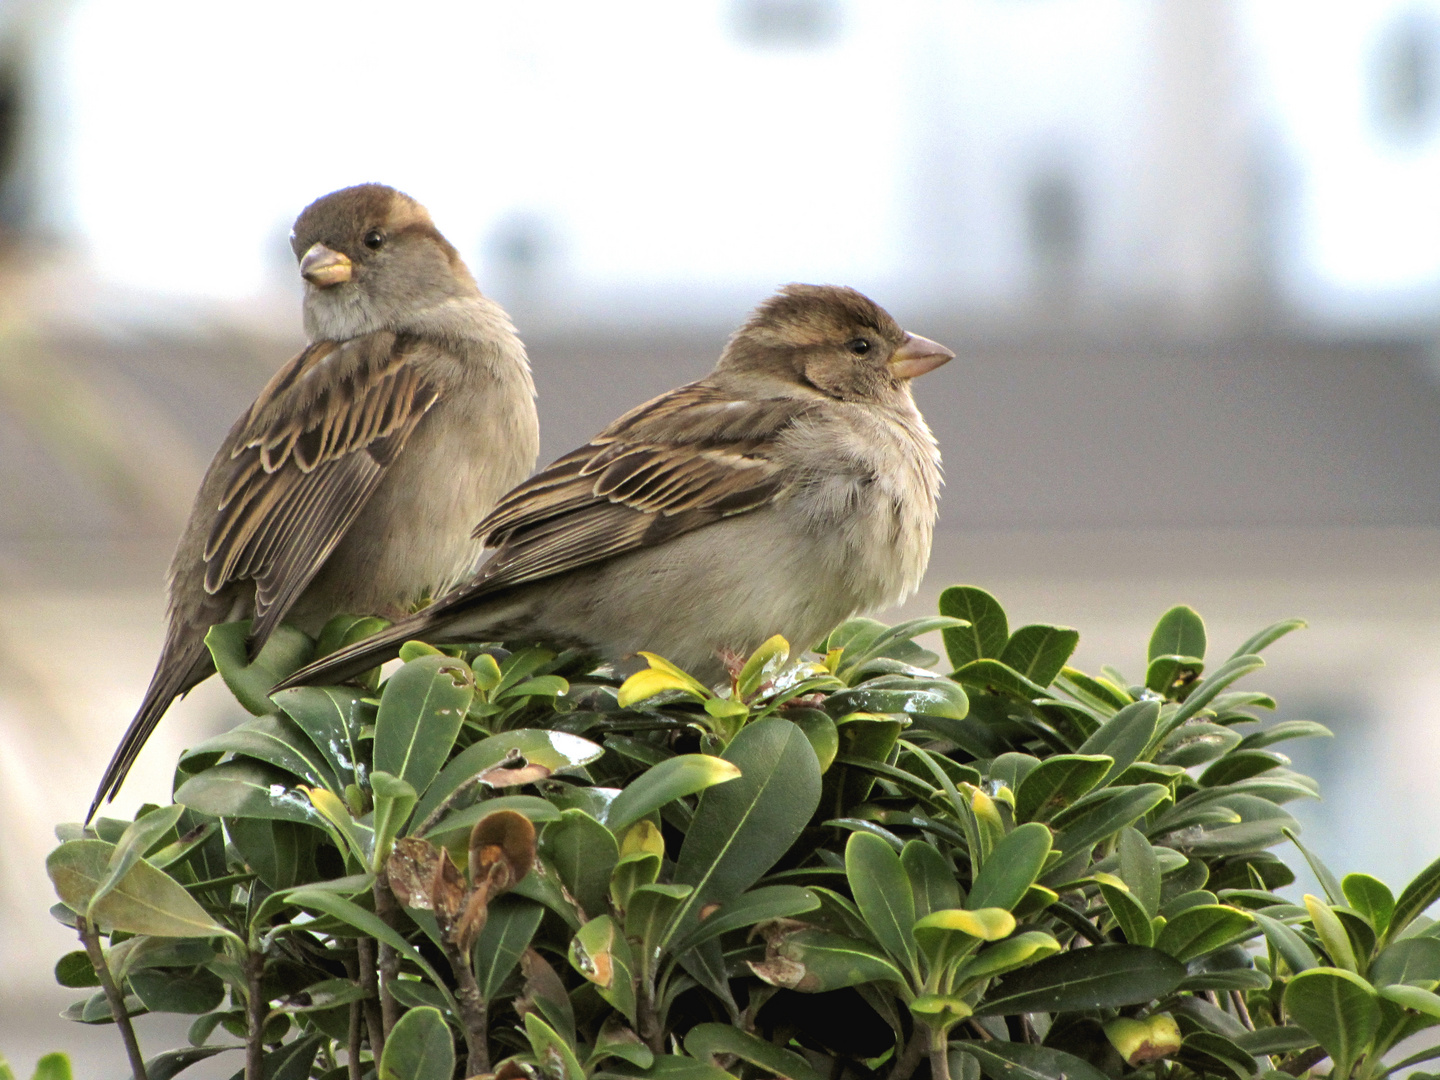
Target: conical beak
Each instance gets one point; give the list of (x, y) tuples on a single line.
[(323, 267), (917, 355)]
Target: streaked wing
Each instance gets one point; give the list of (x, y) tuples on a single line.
[(682, 461), (311, 451)]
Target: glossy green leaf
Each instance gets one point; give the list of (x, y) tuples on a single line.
[(932, 878), (421, 710), (1100, 977), (1180, 632), (1124, 737), (822, 732), (1057, 782), (558, 1058), (1235, 668), (650, 910), (901, 694), (1011, 868), (1286, 729), (286, 651), (1130, 915), (1007, 955), (1289, 945), (584, 853), (1333, 938), (882, 893), (509, 928), (988, 632), (1415, 898), (331, 717), (762, 666), (1027, 1061), (1338, 1008), (1409, 960), (671, 779), (1040, 652), (1139, 867), (134, 842), (143, 901), (987, 674), (707, 1042), (1109, 817), (1268, 636), (185, 992), (601, 953), (1211, 1054), (277, 741), (1202, 929), (248, 789), (742, 827), (1413, 998), (419, 1048)]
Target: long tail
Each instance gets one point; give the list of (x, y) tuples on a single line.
[(354, 659), (184, 662)]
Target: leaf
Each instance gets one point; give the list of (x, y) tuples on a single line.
[(1091, 826), (815, 961), (1130, 915), (1180, 632), (1285, 729), (822, 732), (1040, 652), (144, 901), (248, 789), (741, 828), (1007, 955), (1268, 636), (1338, 1008), (421, 710), (556, 1059), (508, 930), (1333, 937), (1025, 1061), (1140, 869), (1291, 947), (987, 674), (275, 740), (932, 879), (1415, 898), (600, 953), (988, 631), (1011, 868), (901, 694), (1234, 668), (584, 853), (1409, 960), (1124, 737), (756, 906), (710, 1041), (331, 717), (556, 750), (193, 992), (1057, 782), (673, 778), (419, 1047), (286, 651), (883, 895), (137, 839), (1202, 929), (1100, 977), (762, 666), (650, 683), (1414, 999)]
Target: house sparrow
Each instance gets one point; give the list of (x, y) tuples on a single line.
[(354, 480), (789, 489)]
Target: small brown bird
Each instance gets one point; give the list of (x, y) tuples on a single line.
[(353, 482), (792, 487)]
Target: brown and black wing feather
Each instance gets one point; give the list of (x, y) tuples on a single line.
[(293, 476), (685, 460)]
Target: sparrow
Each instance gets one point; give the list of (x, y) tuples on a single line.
[(354, 480), (794, 486)]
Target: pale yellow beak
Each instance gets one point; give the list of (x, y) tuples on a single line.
[(323, 267), (917, 355)]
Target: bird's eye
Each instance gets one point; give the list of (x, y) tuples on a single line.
[(859, 346), (374, 239)]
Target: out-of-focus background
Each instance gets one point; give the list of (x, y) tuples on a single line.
[(1188, 252)]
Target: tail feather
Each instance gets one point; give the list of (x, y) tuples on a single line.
[(355, 659), (184, 663)]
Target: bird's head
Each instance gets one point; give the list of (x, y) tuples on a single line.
[(370, 256), (830, 339)]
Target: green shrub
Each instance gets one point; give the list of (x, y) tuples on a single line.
[(511, 861)]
